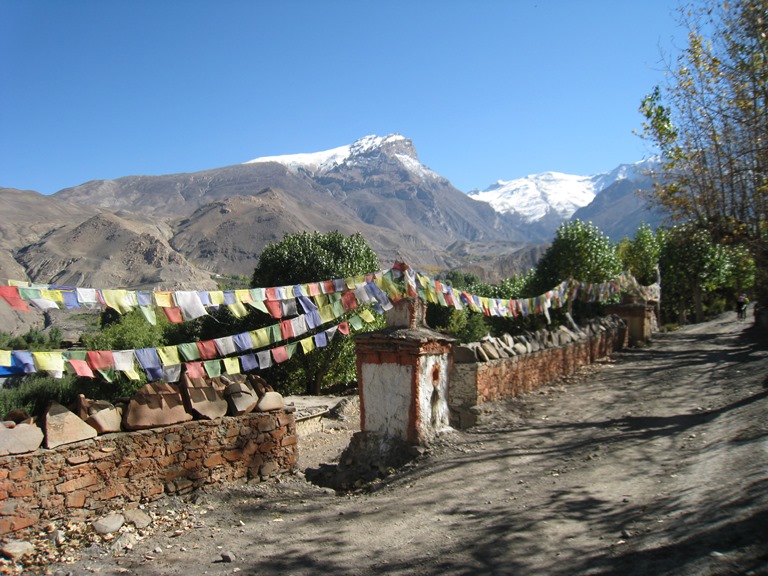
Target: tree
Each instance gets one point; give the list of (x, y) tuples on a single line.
[(308, 257), (709, 122), (692, 265), (579, 251), (640, 255)]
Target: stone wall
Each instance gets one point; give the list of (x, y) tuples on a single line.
[(473, 383), (85, 479)]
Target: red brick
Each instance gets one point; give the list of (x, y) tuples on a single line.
[(77, 499), (289, 440), (77, 459), (18, 473), (213, 461)]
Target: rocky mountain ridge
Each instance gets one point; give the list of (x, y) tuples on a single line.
[(182, 230)]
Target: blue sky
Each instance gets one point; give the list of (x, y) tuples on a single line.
[(487, 90)]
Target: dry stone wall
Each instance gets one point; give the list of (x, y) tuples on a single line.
[(505, 367), (85, 479)]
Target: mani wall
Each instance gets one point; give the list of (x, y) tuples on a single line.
[(82, 480), (499, 368)]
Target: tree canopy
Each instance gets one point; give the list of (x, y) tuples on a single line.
[(709, 121)]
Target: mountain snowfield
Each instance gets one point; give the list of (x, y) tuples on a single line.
[(537, 195), (532, 198), (319, 163)]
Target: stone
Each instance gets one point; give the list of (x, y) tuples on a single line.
[(20, 439), (203, 397), (125, 541), (270, 401), (58, 537), (482, 355), (63, 426), (228, 556), (17, 549), (109, 523), (490, 350), (464, 355), (138, 518), (241, 398), (106, 420), (155, 404), (520, 348)]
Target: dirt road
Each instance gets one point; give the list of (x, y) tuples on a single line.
[(653, 463)]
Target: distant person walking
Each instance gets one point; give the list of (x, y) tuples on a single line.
[(741, 306)]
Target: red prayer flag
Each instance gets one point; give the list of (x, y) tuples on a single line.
[(81, 368), (100, 359), (11, 295), (280, 354), (207, 349), (173, 314)]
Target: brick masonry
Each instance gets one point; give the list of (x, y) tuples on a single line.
[(80, 481), (473, 383)]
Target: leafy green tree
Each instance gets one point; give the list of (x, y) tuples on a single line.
[(307, 257), (709, 122), (640, 255), (692, 266), (579, 251)]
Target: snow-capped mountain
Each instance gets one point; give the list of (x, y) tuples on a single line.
[(553, 195), (321, 163)]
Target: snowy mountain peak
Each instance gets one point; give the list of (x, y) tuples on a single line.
[(553, 193), (318, 163)]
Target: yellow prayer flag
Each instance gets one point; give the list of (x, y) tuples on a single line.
[(326, 314), (260, 338), (163, 299), (49, 360), (216, 297), (169, 355), (232, 365), (5, 358), (54, 295), (307, 344), (237, 309), (367, 316), (132, 374), (243, 296)]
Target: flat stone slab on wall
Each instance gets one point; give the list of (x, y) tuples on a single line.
[(82, 480)]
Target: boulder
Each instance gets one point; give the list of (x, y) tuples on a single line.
[(268, 398), (106, 420), (19, 438), (203, 397), (62, 426), (241, 398), (155, 404)]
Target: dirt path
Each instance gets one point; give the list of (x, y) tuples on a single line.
[(653, 463)]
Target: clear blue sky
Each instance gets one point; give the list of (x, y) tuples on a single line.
[(487, 90)]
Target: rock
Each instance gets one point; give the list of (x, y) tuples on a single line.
[(241, 398), (63, 426), (482, 355), (125, 541), (490, 350), (270, 401), (155, 404), (58, 537), (228, 556), (203, 397), (520, 348), (19, 439), (138, 518), (464, 355), (109, 523), (17, 549), (106, 420)]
